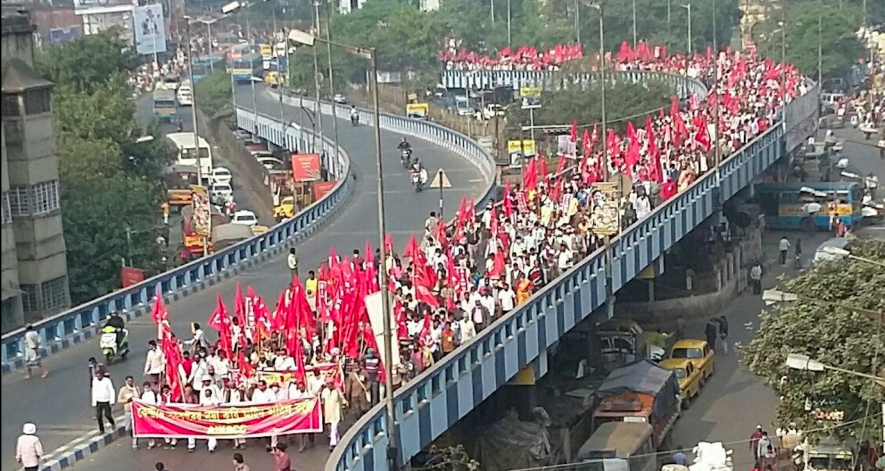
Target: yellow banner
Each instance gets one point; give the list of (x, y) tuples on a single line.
[(417, 110), (530, 92)]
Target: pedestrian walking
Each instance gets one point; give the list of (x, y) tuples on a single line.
[(292, 262), (240, 463), (28, 448), (797, 250), (784, 246), (754, 440), (756, 278), (711, 331), (723, 333), (763, 448), (149, 396), (103, 397), (127, 393), (32, 352), (333, 402)]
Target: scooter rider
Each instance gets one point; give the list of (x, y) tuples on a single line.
[(404, 145), (118, 324), (354, 114)]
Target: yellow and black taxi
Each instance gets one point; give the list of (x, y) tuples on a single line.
[(689, 378), (697, 351)]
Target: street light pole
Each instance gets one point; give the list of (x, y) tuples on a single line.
[(333, 160), (784, 36), (688, 50), (634, 25), (318, 140), (385, 299)]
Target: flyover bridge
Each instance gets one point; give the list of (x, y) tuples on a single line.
[(431, 403)]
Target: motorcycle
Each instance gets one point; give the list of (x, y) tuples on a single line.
[(109, 347), (416, 182), (406, 158), (355, 119)]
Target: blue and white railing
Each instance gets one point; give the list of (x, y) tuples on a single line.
[(431, 403), (82, 322)]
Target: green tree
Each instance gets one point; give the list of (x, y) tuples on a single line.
[(87, 63), (452, 458), (625, 100), (96, 213), (834, 335), (839, 47), (214, 92), (110, 177)]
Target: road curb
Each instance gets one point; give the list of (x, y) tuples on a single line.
[(80, 449)]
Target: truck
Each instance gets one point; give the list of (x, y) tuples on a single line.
[(640, 392), (827, 455)]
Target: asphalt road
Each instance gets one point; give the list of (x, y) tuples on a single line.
[(59, 404), (734, 401)]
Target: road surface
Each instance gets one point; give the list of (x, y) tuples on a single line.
[(734, 401), (59, 404)]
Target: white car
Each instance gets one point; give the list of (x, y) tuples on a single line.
[(339, 98), (221, 175), (244, 218), (220, 191)]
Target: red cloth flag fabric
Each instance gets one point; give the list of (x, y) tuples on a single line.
[(493, 223), (172, 351), (530, 177), (702, 136), (507, 204), (262, 314), (625, 54), (573, 132), (240, 312), (411, 249), (220, 321), (586, 146), (542, 167)]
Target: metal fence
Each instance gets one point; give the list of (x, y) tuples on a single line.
[(82, 322)]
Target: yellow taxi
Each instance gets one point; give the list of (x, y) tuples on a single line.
[(689, 378), (285, 209), (697, 351)]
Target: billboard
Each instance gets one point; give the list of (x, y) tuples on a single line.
[(82, 7), (305, 167), (149, 28), (417, 110)]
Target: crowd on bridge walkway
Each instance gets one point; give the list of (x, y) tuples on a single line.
[(458, 278)]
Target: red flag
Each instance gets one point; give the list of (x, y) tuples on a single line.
[(493, 223), (573, 132), (542, 166), (220, 321), (585, 143), (411, 249), (508, 205), (702, 136), (530, 177), (159, 313), (240, 312)]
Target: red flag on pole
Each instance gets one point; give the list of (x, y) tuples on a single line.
[(508, 205), (240, 312), (220, 321), (411, 249), (530, 177)]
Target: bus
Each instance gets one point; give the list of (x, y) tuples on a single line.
[(164, 104), (204, 65), (810, 206), (246, 67), (185, 151), (618, 446)]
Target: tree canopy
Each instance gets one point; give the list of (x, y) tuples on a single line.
[(834, 335), (625, 101), (109, 181), (214, 91), (839, 46)]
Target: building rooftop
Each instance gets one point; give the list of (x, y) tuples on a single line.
[(16, 19), (18, 76)]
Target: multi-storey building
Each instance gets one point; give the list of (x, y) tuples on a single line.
[(34, 276)]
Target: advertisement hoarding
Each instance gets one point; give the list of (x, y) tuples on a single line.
[(149, 28)]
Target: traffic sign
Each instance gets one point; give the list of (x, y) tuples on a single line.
[(441, 180)]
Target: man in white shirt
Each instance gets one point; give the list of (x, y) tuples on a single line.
[(283, 362), (103, 397), (155, 362), (292, 263), (784, 246), (149, 396), (468, 329), (507, 298), (207, 398)]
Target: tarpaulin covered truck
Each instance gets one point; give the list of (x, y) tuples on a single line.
[(640, 392)]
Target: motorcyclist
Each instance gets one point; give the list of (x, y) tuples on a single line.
[(416, 166), (404, 145), (118, 324), (354, 114), (422, 176)]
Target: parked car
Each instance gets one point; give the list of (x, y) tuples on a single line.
[(221, 175), (244, 218), (339, 98)]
